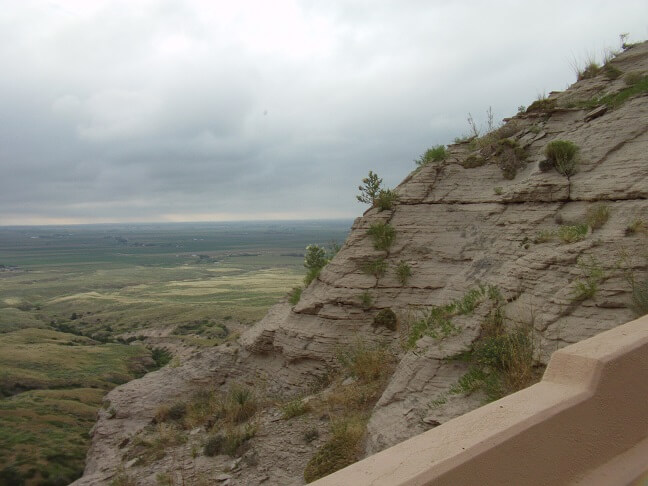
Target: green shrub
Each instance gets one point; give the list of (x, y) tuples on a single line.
[(382, 235), (597, 216), (510, 157), (403, 272), (434, 154), (386, 199), (161, 357), (386, 318), (473, 161), (501, 361), (563, 156), (498, 190), (573, 233), (376, 267), (295, 295), (213, 445)]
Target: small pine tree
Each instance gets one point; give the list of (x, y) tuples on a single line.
[(369, 189)]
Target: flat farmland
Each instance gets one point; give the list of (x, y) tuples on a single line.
[(81, 306)]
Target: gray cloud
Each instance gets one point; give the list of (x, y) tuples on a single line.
[(171, 110)]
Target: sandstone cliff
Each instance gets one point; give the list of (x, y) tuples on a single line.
[(494, 213)]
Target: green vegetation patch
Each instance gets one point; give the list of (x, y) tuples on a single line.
[(40, 358), (501, 361), (382, 235), (43, 432), (437, 320), (638, 86), (433, 154)]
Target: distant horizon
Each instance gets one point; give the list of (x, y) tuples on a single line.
[(152, 223)]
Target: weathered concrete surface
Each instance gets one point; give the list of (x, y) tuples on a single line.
[(586, 422)]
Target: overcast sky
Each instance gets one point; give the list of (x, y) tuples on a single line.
[(201, 110)]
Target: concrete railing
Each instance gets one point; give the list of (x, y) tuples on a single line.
[(585, 423)]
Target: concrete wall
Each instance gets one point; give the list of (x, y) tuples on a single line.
[(585, 423)]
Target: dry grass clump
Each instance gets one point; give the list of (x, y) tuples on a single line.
[(294, 408), (636, 226), (597, 216), (571, 233), (364, 371), (343, 448), (233, 441)]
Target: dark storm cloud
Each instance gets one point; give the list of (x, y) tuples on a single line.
[(169, 110)]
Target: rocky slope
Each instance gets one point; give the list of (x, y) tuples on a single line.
[(460, 222)]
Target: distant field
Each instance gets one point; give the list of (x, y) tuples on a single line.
[(192, 282)]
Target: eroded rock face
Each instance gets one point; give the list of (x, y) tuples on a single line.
[(456, 227)]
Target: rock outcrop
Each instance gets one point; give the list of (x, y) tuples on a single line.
[(491, 213)]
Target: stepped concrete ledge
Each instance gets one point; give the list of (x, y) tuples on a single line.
[(585, 423)]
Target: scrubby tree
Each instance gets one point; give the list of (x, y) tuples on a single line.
[(369, 189)]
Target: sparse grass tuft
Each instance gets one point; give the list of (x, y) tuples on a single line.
[(437, 321), (376, 267), (632, 78), (434, 154), (386, 199), (586, 288), (597, 216), (573, 233), (636, 226), (611, 71), (499, 190), (544, 236), (368, 363), (366, 300), (591, 70), (295, 295), (640, 297), (563, 156), (403, 272), (382, 235), (232, 442), (294, 408)]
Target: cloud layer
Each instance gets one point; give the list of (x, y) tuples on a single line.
[(211, 110)]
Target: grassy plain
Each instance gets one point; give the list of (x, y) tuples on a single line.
[(104, 282)]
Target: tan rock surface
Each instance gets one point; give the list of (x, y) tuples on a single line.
[(456, 227)]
